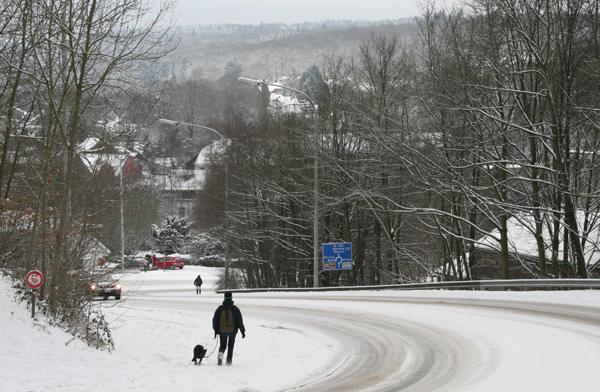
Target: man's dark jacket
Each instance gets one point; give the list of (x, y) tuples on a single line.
[(237, 316)]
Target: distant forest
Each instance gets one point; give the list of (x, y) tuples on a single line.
[(269, 51)]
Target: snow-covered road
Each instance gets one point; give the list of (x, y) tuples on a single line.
[(326, 341), (409, 341), (451, 342)]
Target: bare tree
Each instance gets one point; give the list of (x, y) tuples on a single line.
[(81, 51), (512, 71)]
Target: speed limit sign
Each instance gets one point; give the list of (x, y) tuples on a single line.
[(34, 279)]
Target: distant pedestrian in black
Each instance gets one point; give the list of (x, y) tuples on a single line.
[(198, 284), (226, 322)]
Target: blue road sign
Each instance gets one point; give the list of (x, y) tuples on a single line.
[(337, 256)]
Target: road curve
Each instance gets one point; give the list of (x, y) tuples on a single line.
[(418, 343), (426, 344), (380, 352)]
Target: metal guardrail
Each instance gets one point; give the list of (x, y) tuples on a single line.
[(516, 284)]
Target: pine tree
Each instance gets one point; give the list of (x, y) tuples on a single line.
[(312, 83), (170, 238)]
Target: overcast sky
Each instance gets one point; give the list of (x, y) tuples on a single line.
[(191, 12)]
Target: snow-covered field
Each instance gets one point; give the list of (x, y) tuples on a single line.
[(160, 319)]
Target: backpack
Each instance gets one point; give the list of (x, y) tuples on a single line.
[(227, 323)]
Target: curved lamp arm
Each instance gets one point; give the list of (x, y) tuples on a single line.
[(173, 122)]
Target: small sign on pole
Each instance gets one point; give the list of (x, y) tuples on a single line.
[(34, 280), (337, 256)]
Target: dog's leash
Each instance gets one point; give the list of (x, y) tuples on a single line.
[(216, 343)]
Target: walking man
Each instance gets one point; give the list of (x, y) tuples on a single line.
[(226, 322), (198, 284)]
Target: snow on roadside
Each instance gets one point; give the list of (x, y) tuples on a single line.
[(154, 337), (153, 346)]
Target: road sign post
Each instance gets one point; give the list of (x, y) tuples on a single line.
[(34, 280), (337, 256)]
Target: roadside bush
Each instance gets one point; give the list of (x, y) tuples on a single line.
[(74, 314), (236, 280)]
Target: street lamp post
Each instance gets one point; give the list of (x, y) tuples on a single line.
[(316, 172), (121, 167), (172, 122)]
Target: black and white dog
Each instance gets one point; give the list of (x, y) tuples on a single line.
[(199, 353)]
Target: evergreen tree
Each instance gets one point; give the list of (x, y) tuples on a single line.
[(232, 71), (170, 238), (147, 142), (315, 87)]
